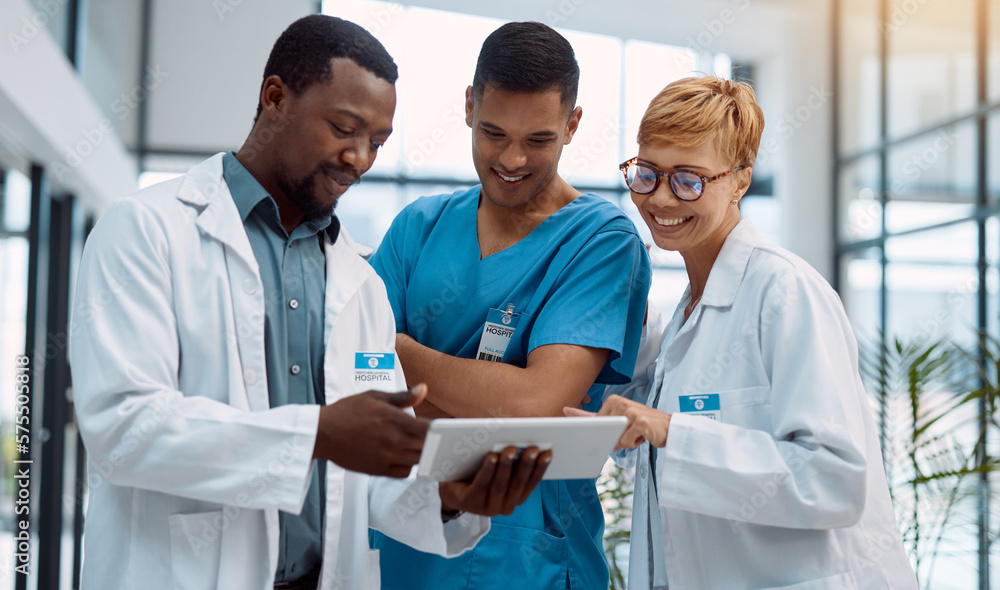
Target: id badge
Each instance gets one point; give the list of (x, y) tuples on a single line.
[(497, 332), (374, 368), (706, 405)]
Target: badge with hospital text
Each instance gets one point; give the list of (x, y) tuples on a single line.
[(706, 404), (497, 332), (374, 368)]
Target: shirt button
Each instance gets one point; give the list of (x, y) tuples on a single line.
[(250, 377), (295, 369), (294, 304)]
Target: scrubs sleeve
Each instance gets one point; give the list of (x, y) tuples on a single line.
[(599, 301), (388, 262), (810, 468)]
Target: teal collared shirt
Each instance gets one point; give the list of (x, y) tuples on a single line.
[(293, 272)]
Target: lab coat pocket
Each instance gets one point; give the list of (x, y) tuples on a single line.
[(749, 407), (195, 549), (839, 582), (374, 573)]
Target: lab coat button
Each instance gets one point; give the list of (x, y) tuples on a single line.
[(249, 286), (294, 304), (295, 369), (250, 376), (334, 490)]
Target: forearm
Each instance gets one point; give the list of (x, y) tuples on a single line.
[(467, 388)]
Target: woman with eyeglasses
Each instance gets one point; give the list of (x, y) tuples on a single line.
[(757, 457)]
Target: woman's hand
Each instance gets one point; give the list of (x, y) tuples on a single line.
[(644, 423)]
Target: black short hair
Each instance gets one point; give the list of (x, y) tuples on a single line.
[(301, 55), (527, 57)]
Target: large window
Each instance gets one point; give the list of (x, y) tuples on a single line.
[(429, 152), (917, 241)]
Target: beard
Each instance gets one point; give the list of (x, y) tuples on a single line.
[(302, 191)]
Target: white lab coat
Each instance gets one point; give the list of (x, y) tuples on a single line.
[(188, 465), (787, 489)]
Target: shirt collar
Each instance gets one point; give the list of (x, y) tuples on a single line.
[(248, 193), (730, 266)]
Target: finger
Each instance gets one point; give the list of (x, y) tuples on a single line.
[(577, 412), (407, 398), (413, 429), (478, 489), (519, 479), (541, 464), (501, 480)]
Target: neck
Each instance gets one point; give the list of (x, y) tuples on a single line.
[(517, 222), (258, 160), (698, 261)]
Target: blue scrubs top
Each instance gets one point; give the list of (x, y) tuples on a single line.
[(581, 277)]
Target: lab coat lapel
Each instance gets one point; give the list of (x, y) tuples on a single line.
[(346, 271), (723, 284), (205, 190)]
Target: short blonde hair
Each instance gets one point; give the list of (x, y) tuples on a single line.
[(693, 111)]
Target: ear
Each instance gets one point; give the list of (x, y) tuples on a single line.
[(468, 106), (742, 183), (273, 96), (572, 125)]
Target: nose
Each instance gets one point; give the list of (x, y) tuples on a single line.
[(663, 195), (512, 158), (358, 155)]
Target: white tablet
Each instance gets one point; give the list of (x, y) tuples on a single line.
[(455, 447)]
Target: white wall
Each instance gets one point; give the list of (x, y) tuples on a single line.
[(47, 116), (214, 55)]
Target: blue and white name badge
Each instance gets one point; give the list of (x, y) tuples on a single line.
[(374, 367), (497, 332), (706, 404)]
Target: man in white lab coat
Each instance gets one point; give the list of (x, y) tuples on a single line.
[(225, 331)]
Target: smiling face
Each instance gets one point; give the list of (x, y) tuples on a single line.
[(691, 226), (517, 139), (324, 139)]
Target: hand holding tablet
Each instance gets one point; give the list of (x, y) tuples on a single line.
[(455, 448)]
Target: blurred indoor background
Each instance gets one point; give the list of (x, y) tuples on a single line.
[(880, 165)]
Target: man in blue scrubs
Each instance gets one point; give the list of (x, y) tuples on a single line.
[(515, 298)]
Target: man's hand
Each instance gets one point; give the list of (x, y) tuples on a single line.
[(371, 433), (644, 423), (503, 482)]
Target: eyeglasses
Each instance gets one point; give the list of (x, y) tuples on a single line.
[(687, 186)]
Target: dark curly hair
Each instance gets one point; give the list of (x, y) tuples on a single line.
[(301, 55)]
